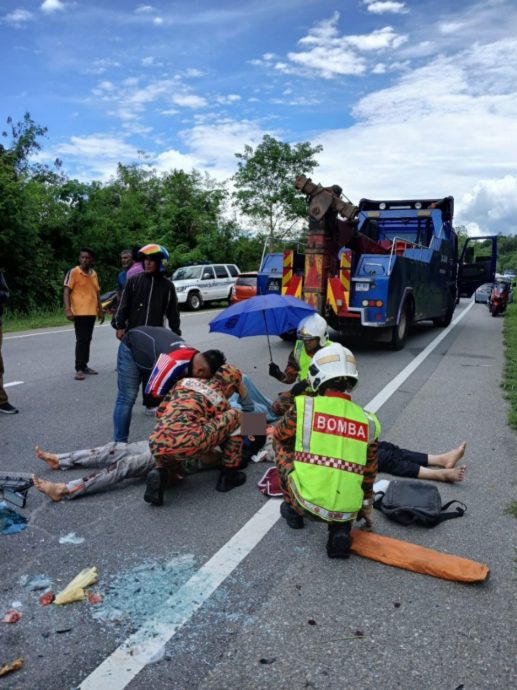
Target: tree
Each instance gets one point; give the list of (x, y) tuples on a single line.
[(265, 185)]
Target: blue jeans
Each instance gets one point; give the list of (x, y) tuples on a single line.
[(260, 402), (128, 382)]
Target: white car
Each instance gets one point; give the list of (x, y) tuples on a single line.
[(196, 285)]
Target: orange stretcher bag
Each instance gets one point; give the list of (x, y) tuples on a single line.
[(419, 559)]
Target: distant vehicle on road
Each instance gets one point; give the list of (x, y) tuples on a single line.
[(482, 294), (244, 288)]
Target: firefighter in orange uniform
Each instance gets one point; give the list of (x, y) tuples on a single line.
[(196, 420), (326, 451)]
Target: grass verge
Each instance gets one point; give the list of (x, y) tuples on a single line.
[(509, 383), (511, 509), (13, 322)]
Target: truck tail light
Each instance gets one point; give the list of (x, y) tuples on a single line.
[(372, 303)]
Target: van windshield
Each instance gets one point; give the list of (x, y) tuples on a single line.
[(187, 273)]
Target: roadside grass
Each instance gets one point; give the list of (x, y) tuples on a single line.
[(509, 383), (48, 318), (511, 509), (44, 318)]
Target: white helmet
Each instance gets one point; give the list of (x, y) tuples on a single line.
[(332, 362), (313, 326)]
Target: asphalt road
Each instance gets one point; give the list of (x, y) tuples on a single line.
[(286, 616)]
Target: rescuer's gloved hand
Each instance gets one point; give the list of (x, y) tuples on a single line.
[(275, 371), (299, 388), (366, 514)]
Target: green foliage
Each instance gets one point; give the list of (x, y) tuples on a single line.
[(510, 367), (265, 185)]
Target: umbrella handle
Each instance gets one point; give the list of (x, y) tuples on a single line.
[(267, 335)]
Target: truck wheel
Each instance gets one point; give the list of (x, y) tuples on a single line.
[(444, 321), (194, 301), (399, 333)]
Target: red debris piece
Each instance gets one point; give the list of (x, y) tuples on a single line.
[(12, 616), (47, 598), (94, 598)]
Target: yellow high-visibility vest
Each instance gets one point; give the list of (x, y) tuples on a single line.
[(332, 437), (303, 359)]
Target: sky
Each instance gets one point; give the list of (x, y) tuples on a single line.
[(409, 99)]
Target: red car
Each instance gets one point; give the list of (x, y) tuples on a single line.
[(244, 287)]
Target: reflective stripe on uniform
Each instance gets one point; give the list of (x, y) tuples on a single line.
[(207, 391)]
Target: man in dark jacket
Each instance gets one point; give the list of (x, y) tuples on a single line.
[(149, 297), (5, 405)]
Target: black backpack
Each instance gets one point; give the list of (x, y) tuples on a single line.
[(415, 503)]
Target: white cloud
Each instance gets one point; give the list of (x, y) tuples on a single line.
[(331, 54), (329, 62), (172, 159), (186, 100), (145, 9), (95, 156), (323, 31), (380, 39), (148, 61), (212, 147), (447, 28), (386, 6), (18, 17), (158, 21), (229, 99), (493, 205), (193, 72), (449, 127), (50, 6)]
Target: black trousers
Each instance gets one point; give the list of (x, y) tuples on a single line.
[(400, 461), (83, 336)]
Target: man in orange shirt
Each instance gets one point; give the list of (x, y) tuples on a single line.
[(82, 304)]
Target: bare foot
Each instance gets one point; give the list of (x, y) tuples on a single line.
[(453, 474), (450, 459), (51, 459), (55, 491)]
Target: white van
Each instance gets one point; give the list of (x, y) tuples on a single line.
[(196, 285)]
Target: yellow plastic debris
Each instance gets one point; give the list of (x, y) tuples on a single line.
[(74, 591), (13, 666)]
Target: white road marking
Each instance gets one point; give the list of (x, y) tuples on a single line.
[(119, 669), (388, 390), (52, 330), (124, 664), (13, 383), (31, 335)]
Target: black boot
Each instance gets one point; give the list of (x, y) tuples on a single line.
[(293, 519), (250, 448), (155, 484), (339, 541), (229, 479)]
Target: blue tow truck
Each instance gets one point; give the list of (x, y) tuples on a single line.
[(384, 265)]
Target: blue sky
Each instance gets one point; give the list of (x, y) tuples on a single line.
[(408, 99)]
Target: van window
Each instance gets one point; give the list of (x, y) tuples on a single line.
[(233, 270), (208, 273), (221, 272)]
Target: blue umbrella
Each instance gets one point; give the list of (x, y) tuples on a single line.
[(270, 314)]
